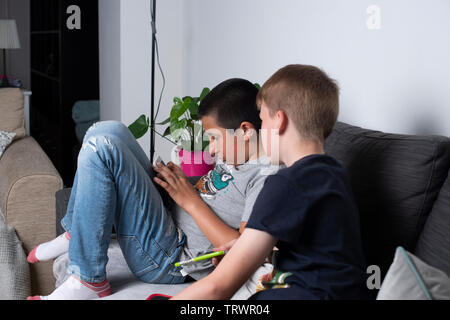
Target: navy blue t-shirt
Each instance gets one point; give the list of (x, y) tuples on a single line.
[(309, 208)]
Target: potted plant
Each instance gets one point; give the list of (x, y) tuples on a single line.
[(185, 131)]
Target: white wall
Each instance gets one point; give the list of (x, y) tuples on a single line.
[(109, 62), (394, 79), (125, 62)]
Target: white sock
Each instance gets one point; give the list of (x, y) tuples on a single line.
[(50, 250), (75, 289)]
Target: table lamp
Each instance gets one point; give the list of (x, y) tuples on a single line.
[(9, 39)]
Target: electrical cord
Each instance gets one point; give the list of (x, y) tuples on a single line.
[(163, 78), (157, 60)]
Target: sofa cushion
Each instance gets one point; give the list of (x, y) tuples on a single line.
[(126, 286), (433, 246), (395, 179), (409, 278), (12, 111)]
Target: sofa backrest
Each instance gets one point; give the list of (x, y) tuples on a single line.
[(433, 246), (395, 179), (12, 113)]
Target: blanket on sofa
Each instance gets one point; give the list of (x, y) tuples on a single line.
[(127, 287), (14, 269)]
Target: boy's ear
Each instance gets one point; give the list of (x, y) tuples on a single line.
[(248, 130), (282, 121)]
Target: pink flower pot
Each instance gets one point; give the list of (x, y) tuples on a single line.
[(197, 163)]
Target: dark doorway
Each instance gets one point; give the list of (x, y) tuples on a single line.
[(64, 70)]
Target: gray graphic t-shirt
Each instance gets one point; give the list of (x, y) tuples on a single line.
[(230, 192)]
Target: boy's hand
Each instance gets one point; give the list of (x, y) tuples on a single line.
[(226, 247), (176, 169), (175, 182)]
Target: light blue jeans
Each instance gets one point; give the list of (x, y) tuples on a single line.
[(113, 186)]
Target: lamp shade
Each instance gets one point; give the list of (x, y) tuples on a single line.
[(9, 38)]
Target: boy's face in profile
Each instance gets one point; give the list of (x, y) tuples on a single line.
[(223, 144), (269, 132)]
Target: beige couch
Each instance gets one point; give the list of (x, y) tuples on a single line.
[(28, 183)]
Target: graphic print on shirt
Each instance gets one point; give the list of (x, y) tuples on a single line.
[(214, 181)]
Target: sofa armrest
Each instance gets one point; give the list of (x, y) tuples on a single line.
[(62, 201), (28, 182)]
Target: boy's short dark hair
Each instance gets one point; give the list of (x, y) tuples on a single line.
[(308, 97), (231, 103)]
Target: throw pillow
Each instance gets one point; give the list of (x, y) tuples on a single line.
[(5, 140), (15, 281), (409, 278), (12, 111)]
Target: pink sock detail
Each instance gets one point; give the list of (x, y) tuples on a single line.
[(32, 256), (34, 298), (95, 284), (105, 293), (102, 289), (67, 235)]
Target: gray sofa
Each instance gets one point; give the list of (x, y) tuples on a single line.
[(401, 184)]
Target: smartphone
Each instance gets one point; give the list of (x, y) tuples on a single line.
[(160, 160)]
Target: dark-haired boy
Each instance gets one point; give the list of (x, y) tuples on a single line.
[(306, 209), (113, 187)]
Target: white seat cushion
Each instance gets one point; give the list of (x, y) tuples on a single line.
[(126, 286)]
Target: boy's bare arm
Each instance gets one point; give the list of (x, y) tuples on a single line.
[(185, 195), (243, 259)]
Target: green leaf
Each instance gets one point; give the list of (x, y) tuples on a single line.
[(177, 128), (189, 104), (167, 132), (193, 108), (204, 93), (205, 145), (177, 100), (177, 111), (258, 86), (140, 127), (198, 128), (190, 123), (165, 121), (186, 145), (187, 101)]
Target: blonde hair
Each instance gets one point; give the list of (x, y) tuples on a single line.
[(308, 97)]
